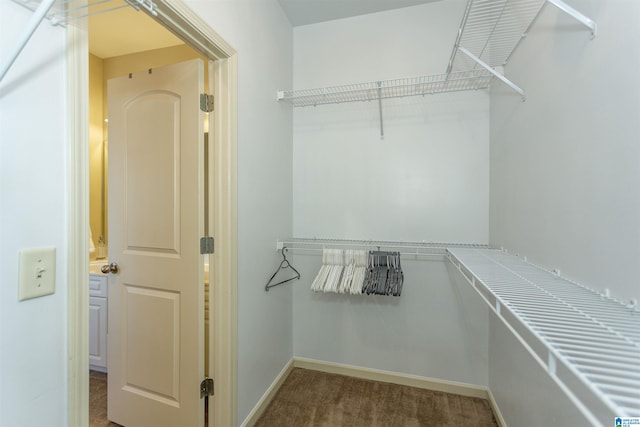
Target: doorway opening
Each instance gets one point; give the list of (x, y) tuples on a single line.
[(222, 211)]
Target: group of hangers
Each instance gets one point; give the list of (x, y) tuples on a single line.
[(384, 274), (351, 272), (342, 271), (359, 272)]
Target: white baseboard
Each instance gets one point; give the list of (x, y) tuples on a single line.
[(268, 396), (496, 411), (426, 383), (463, 389)]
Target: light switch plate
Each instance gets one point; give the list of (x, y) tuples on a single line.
[(37, 270)]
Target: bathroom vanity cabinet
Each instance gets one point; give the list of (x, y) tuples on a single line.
[(98, 322)]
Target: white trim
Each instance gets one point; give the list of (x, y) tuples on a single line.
[(223, 291), (463, 389), (268, 396), (181, 20), (193, 30), (496, 409), (78, 226)]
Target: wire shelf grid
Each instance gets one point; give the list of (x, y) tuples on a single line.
[(384, 89), (595, 337), (492, 29), (64, 11), (405, 248)]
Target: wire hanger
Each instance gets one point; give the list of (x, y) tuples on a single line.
[(283, 265)]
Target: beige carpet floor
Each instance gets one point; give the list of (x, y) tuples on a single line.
[(98, 400), (313, 399)]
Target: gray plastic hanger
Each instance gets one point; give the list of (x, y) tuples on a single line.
[(283, 266)]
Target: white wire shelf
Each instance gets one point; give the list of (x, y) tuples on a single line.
[(588, 343), (62, 12), (405, 248), (491, 31), (384, 89)]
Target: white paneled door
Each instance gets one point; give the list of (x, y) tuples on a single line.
[(156, 320)]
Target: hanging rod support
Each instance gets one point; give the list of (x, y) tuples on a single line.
[(30, 28), (459, 37), (494, 72), (575, 14), (380, 109)]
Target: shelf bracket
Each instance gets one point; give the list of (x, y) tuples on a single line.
[(589, 23), (380, 109), (37, 17), (494, 72), (459, 37)]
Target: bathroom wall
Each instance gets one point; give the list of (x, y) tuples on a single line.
[(427, 180), (97, 154), (34, 161), (117, 66)]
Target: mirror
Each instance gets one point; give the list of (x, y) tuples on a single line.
[(97, 160)]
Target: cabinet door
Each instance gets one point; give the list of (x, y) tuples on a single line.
[(98, 285), (98, 332)]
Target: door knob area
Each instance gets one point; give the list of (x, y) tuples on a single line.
[(109, 268)]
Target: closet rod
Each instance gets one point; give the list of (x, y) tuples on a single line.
[(405, 248)]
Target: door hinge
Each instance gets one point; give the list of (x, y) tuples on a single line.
[(206, 387), (206, 102), (206, 245)]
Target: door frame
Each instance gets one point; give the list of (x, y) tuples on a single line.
[(178, 18)]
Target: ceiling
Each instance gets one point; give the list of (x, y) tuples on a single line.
[(125, 31), (304, 12)]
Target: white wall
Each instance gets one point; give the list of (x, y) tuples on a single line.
[(33, 213), (565, 167), (436, 329), (427, 180), (33, 373), (565, 164), (262, 36), (525, 393)]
